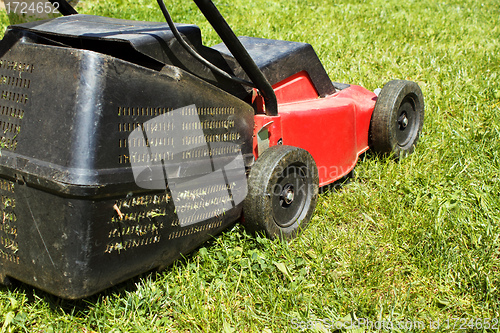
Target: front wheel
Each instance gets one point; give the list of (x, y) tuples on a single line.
[(282, 192), (397, 118)]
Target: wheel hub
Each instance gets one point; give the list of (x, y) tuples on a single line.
[(288, 194), (291, 194), (403, 121)]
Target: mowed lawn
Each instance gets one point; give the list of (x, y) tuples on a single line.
[(412, 242)]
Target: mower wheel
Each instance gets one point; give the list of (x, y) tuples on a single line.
[(282, 192), (397, 118)]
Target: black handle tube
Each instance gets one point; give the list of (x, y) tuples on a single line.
[(239, 52), (63, 7)]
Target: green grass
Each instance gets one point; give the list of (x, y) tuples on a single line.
[(414, 240)]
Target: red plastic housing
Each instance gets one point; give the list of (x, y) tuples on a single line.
[(333, 129)]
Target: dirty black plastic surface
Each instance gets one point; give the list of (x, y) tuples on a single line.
[(153, 45), (148, 44), (74, 221), (279, 60)]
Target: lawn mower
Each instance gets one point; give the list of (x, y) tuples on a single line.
[(127, 144)]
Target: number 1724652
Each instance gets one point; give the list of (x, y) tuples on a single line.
[(31, 7)]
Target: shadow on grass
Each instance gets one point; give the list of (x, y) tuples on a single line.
[(339, 184)]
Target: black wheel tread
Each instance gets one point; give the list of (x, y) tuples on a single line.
[(256, 205), (382, 136)]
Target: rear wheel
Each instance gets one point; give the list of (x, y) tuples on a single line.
[(397, 118), (282, 192)]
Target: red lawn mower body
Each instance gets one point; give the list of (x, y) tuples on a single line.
[(333, 129)]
